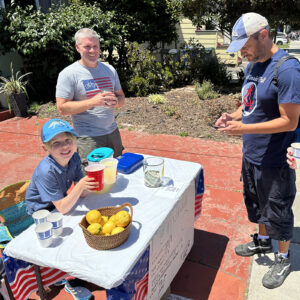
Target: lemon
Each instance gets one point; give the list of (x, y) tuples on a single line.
[(104, 220), (95, 228), (112, 218), (117, 230), (108, 227), (122, 218), (107, 234), (93, 216)]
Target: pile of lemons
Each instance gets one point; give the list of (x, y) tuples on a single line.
[(104, 225)]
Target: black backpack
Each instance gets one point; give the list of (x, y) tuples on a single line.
[(279, 63), (275, 74)]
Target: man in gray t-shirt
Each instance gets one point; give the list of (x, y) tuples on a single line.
[(88, 90)]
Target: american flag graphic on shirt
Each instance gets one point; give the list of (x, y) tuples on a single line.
[(96, 85)]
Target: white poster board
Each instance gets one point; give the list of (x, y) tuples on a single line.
[(171, 245)]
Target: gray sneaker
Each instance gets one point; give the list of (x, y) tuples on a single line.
[(278, 272), (254, 247)]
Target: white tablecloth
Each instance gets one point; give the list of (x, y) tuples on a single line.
[(109, 268)]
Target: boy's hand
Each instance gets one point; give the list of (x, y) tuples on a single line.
[(88, 183)]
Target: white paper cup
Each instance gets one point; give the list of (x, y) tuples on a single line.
[(56, 219), (296, 153), (44, 233), (40, 216)]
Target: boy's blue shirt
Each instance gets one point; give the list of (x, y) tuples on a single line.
[(51, 181)]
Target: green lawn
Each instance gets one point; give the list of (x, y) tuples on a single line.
[(285, 46)]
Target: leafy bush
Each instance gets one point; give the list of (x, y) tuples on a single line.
[(183, 134), (205, 90), (202, 64), (193, 64), (142, 76), (156, 99), (174, 72)]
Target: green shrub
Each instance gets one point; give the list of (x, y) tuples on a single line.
[(142, 76), (205, 90), (156, 99), (34, 108), (174, 73), (183, 133), (201, 64), (171, 111)]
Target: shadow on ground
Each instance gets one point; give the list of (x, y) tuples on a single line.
[(197, 274)]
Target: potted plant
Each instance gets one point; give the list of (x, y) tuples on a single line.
[(14, 90)]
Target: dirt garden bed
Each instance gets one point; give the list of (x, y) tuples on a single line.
[(182, 114)]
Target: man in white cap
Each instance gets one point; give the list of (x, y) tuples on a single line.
[(267, 120)]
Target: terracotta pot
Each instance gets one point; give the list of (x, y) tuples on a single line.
[(6, 114)]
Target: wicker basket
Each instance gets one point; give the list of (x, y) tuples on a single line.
[(100, 242)]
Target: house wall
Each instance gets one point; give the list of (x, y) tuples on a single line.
[(208, 38), (5, 61), (227, 58)]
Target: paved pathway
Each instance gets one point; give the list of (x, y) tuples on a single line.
[(212, 270)]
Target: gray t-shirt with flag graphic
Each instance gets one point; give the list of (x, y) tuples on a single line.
[(77, 82)]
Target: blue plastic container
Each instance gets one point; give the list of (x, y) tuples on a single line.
[(98, 154), (129, 162)]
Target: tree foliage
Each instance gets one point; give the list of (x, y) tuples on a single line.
[(45, 40), (226, 12), (142, 21)]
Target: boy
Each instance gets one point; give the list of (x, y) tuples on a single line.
[(56, 172)]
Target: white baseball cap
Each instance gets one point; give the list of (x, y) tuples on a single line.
[(243, 28)]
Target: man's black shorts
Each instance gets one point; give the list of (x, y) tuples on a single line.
[(269, 195)]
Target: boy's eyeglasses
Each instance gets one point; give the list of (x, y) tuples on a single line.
[(57, 144)]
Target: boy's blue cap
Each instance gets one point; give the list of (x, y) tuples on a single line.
[(53, 127), (243, 28)]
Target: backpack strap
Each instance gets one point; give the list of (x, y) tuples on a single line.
[(250, 68), (279, 63)]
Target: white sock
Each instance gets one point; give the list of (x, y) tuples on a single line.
[(285, 255), (263, 237)]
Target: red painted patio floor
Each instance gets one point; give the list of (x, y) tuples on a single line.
[(211, 270)]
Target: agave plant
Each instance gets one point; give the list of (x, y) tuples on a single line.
[(15, 84)]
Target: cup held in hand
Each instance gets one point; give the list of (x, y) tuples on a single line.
[(96, 172), (296, 153)]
